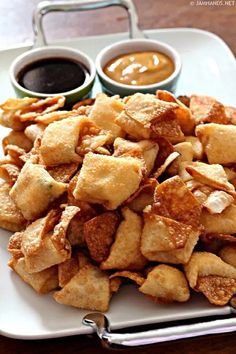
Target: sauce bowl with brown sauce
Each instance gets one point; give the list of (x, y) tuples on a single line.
[(138, 65), (50, 71)]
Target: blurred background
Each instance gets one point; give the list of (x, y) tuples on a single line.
[(16, 20)]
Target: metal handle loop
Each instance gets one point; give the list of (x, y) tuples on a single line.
[(45, 7), (100, 324)]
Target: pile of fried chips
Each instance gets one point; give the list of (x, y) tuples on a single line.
[(140, 188)]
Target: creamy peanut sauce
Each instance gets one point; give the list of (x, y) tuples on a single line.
[(140, 68)]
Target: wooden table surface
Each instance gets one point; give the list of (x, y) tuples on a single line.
[(16, 28)]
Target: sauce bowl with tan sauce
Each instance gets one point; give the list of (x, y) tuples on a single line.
[(138, 65)]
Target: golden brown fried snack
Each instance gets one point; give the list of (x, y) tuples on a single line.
[(166, 240), (207, 109), (11, 217), (99, 234), (35, 184), (208, 274), (107, 180), (89, 289), (125, 252), (42, 282), (224, 223), (228, 254), (219, 142), (166, 284)]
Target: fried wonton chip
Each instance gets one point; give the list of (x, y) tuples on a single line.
[(33, 131), (196, 146), (125, 252), (169, 160), (84, 103), (215, 242), (165, 149), (43, 106), (34, 190), (105, 111), (47, 118), (231, 114), (60, 140), (99, 234), (63, 173), (213, 277), (207, 109), (12, 110), (44, 245), (211, 175), (66, 270), (146, 149), (89, 289), (173, 199), (185, 152), (228, 254), (141, 111), (182, 112), (9, 173), (219, 142), (166, 284), (169, 128), (14, 245), (19, 139), (224, 223), (11, 217), (107, 180), (42, 282), (217, 201), (166, 240), (143, 196), (136, 277)]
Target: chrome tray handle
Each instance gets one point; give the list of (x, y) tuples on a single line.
[(100, 324), (45, 7)]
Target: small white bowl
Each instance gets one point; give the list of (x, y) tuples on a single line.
[(47, 52), (136, 45)]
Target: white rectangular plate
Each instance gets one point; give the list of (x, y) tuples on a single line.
[(209, 68)]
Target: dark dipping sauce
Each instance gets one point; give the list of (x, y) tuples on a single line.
[(53, 75)]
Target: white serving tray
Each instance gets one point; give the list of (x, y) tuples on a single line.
[(209, 68)]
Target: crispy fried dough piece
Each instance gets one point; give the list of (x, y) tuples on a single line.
[(125, 252), (169, 128), (44, 241), (134, 276), (146, 149), (143, 196), (169, 160), (60, 140), (213, 277), (14, 245), (63, 173), (47, 118), (166, 284), (196, 146), (35, 184), (42, 282), (231, 114), (182, 112), (173, 199), (66, 270), (215, 242), (224, 223), (228, 254), (165, 149), (207, 109), (33, 131), (89, 289), (19, 139), (99, 234), (9, 172), (107, 180), (104, 112), (11, 217), (43, 106), (211, 175), (185, 152), (219, 142), (84, 103), (166, 240), (218, 201), (12, 110)]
